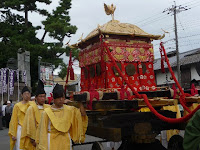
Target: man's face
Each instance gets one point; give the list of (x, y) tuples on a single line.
[(26, 96), (8, 104), (41, 99), (59, 101)]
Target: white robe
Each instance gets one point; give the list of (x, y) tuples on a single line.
[(17, 144)]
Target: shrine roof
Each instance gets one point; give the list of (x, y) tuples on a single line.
[(116, 28)]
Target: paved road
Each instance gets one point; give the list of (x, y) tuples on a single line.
[(4, 142)]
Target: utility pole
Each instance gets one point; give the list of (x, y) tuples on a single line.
[(174, 10)]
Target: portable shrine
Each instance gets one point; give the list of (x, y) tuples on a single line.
[(118, 86), (131, 48)]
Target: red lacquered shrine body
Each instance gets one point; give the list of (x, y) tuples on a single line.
[(130, 47)]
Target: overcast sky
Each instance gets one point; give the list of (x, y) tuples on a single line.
[(146, 14)]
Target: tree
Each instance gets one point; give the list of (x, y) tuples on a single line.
[(24, 6), (62, 74), (17, 31), (57, 23)]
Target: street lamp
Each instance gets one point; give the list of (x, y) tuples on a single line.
[(39, 59)]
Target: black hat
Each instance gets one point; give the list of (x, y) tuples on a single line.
[(40, 88), (25, 89), (58, 91)]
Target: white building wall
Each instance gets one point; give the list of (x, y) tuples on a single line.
[(161, 77), (194, 74)]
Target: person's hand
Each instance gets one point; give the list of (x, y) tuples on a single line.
[(14, 138), (67, 101), (33, 142), (82, 109)]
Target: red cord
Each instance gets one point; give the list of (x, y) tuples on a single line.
[(166, 119), (182, 97), (162, 60), (182, 101)]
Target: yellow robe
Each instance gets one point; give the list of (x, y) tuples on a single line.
[(17, 118), (194, 105), (59, 126), (30, 125), (176, 109)]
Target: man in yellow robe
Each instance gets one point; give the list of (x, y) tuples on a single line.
[(61, 123), (17, 119), (32, 119)]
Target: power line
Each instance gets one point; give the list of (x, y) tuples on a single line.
[(190, 41), (188, 44), (184, 31), (157, 16), (180, 38), (192, 26), (174, 10), (148, 18), (189, 36), (153, 21), (188, 23), (181, 42), (195, 6), (188, 2), (193, 3), (192, 23)]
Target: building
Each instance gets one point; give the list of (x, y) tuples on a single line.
[(73, 85), (189, 64)]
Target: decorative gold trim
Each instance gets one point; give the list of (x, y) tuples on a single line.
[(130, 50), (119, 57), (116, 28), (118, 50)]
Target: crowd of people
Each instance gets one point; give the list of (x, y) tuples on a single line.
[(5, 114), (35, 125)]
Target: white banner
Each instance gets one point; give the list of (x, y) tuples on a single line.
[(1, 80), (11, 82), (4, 80)]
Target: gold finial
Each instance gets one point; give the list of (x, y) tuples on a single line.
[(163, 34), (81, 38), (161, 37), (164, 31), (110, 10)]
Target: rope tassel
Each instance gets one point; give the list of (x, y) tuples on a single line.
[(162, 59)]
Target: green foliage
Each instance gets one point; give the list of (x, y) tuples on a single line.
[(57, 23), (22, 5), (17, 32), (62, 74)]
